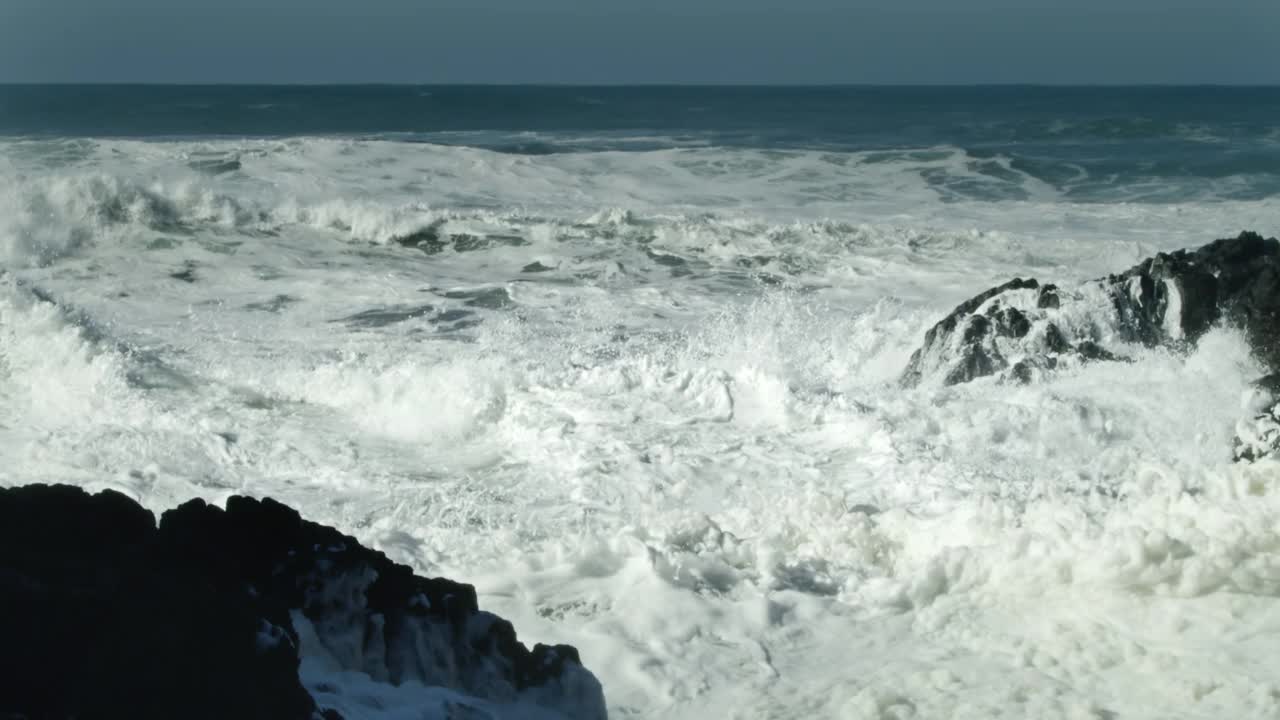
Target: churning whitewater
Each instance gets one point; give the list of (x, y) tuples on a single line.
[(647, 401)]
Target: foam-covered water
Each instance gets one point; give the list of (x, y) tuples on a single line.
[(644, 398)]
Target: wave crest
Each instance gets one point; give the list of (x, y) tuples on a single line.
[(47, 218)]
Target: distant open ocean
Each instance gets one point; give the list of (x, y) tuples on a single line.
[(1007, 142), (626, 359)]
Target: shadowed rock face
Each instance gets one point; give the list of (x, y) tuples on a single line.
[(104, 614), (1024, 328), (1177, 297)]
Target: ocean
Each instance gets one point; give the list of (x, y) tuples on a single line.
[(627, 360)]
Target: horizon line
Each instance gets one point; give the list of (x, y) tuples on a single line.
[(638, 84)]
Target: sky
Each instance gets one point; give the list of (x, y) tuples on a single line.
[(643, 41)]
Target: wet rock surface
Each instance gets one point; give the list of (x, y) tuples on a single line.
[(1024, 326), (1023, 329)]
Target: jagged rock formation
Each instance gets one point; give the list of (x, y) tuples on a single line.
[(103, 614), (1024, 328)]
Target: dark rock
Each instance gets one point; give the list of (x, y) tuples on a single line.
[(940, 336), (1168, 300), (1054, 340), (104, 614), (1028, 369), (1171, 299), (1048, 298), (1011, 323), (1021, 372), (1178, 296), (974, 362), (1090, 350), (95, 627), (975, 302), (976, 329)]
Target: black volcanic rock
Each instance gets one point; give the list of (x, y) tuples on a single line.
[(103, 614), (1171, 299), (1178, 296), (1023, 329)]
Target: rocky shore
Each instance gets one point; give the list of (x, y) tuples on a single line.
[(210, 613)]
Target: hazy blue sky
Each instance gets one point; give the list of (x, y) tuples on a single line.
[(576, 41)]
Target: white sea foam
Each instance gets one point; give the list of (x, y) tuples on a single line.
[(647, 403)]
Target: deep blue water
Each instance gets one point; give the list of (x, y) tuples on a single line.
[(1160, 138)]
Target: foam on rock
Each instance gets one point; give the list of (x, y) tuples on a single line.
[(1022, 329)]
